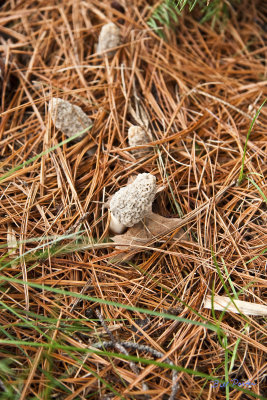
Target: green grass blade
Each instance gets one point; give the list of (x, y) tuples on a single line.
[(257, 187), (225, 342), (225, 287), (229, 279), (255, 257)]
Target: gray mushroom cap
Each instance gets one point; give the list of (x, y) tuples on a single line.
[(130, 204), (67, 117), (108, 39), (137, 136)]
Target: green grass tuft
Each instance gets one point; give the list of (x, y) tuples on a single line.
[(167, 13)]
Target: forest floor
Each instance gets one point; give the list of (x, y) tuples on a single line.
[(65, 290)]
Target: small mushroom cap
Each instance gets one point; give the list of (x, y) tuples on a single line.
[(137, 136), (131, 203), (67, 117), (109, 37)]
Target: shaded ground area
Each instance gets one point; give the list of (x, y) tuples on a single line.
[(197, 92)]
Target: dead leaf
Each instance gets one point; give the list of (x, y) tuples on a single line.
[(151, 227), (12, 244), (223, 303)]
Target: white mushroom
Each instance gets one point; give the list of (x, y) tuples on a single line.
[(70, 119), (108, 39), (132, 203)]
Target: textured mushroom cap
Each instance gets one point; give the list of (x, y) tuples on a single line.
[(67, 117), (137, 136), (131, 203), (109, 37)]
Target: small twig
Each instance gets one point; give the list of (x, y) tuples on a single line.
[(119, 347), (153, 352), (77, 300), (80, 221), (2, 386)]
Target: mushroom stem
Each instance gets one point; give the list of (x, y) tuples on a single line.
[(115, 226)]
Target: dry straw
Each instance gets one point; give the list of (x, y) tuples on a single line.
[(223, 303)]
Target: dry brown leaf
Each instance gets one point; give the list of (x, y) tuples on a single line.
[(223, 303), (152, 226)]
